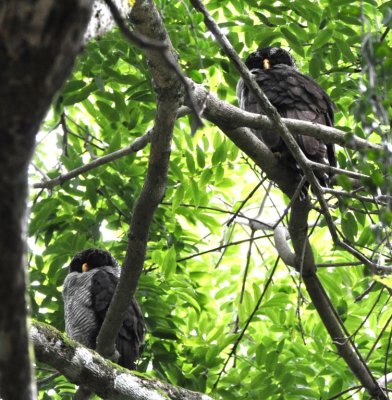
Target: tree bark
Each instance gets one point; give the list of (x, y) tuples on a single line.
[(169, 90), (38, 44), (110, 381)]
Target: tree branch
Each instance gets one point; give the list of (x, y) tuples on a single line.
[(281, 236), (298, 221), (236, 118), (134, 147), (218, 111), (84, 366), (169, 93), (38, 45), (260, 154)]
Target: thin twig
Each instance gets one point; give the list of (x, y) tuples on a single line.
[(374, 345), (249, 196), (293, 198), (63, 123), (339, 264), (340, 394), (223, 246), (363, 322), (248, 258), (374, 200), (137, 145), (334, 170), (247, 323)]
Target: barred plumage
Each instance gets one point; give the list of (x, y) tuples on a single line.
[(88, 290)]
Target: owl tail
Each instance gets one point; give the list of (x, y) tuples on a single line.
[(128, 353)]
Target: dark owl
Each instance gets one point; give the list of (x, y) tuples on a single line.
[(88, 289), (295, 96)]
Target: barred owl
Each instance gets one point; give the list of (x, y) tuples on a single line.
[(88, 289)]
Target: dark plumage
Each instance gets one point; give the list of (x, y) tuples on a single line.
[(88, 291), (295, 96)]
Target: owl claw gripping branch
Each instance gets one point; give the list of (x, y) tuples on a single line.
[(295, 96), (88, 290)]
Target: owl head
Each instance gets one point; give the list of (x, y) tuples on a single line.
[(268, 57), (90, 259)]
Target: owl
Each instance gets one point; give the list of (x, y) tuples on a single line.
[(295, 96), (88, 289)]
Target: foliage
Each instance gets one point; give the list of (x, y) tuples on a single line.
[(199, 287)]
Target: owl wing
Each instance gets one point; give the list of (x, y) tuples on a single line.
[(295, 96), (248, 102), (80, 320), (131, 334), (298, 96)]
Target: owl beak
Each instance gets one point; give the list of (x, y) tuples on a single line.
[(266, 63), (85, 267)]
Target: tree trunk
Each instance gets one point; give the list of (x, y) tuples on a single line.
[(38, 44)]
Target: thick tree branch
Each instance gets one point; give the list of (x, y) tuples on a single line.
[(320, 299), (281, 237), (221, 113), (38, 44), (109, 381), (235, 117), (240, 118), (341, 340), (169, 90)]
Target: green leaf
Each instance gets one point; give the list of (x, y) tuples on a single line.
[(178, 197), (293, 41), (322, 38), (73, 85), (115, 142), (110, 113), (190, 162), (315, 66), (200, 157), (346, 50), (169, 263), (220, 154), (78, 96), (349, 225), (91, 192), (366, 237)]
